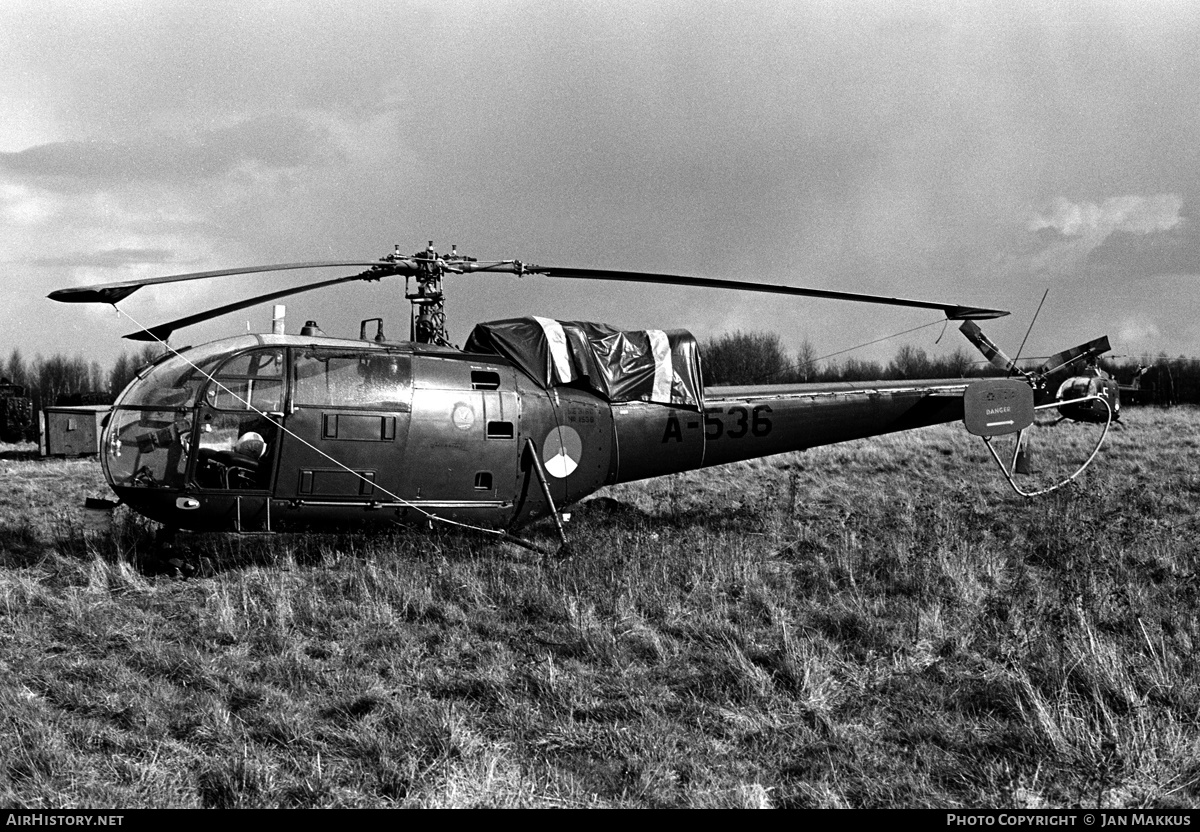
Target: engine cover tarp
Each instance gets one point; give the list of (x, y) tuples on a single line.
[(652, 365)]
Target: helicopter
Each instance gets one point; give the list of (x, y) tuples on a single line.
[(279, 431)]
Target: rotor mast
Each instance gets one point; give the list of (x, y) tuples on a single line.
[(427, 319)]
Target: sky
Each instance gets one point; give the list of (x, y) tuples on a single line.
[(966, 152)]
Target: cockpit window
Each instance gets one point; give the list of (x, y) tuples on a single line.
[(147, 447), (176, 382), (250, 381), (258, 363), (1078, 388)]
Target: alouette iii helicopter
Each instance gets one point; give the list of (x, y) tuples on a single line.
[(279, 431)]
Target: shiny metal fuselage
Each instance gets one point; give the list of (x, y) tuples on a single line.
[(382, 433)]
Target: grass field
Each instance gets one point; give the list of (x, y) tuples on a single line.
[(877, 624)]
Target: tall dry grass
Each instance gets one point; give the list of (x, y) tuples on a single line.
[(875, 624)]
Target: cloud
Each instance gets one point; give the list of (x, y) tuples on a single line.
[(1137, 331), (110, 258), (928, 154), (1124, 230), (1173, 252), (1134, 214), (273, 143)]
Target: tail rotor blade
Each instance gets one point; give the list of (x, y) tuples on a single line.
[(1092, 349), (990, 351)]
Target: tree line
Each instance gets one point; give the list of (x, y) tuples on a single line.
[(733, 358), (760, 358), (59, 379)]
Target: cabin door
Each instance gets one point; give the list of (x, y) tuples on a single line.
[(237, 437), (465, 436), (346, 428)]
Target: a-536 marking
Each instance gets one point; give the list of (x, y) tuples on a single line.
[(735, 422)]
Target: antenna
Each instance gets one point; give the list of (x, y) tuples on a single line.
[(1031, 323)]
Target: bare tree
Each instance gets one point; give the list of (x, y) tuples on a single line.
[(15, 369), (806, 361), (910, 362), (746, 358)]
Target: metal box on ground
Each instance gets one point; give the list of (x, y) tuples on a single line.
[(72, 431)]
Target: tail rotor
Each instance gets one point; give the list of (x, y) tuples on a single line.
[(1091, 397)]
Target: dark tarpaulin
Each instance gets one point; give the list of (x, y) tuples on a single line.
[(645, 365)]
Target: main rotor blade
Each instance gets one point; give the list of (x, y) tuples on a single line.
[(952, 311), (161, 332), (115, 292)]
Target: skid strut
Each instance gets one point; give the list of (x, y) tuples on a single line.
[(541, 477)]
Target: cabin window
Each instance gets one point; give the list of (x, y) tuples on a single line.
[(500, 430), (360, 427), (332, 481), (375, 380), (485, 380)]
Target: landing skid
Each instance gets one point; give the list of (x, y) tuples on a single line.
[(1019, 455)]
